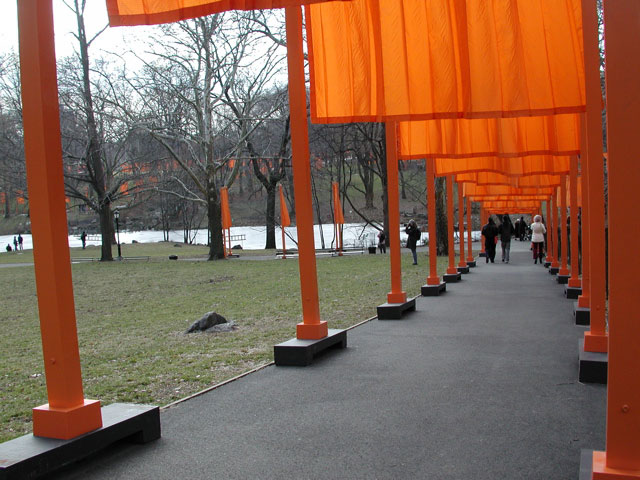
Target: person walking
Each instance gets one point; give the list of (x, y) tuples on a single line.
[(413, 235), (83, 238), (20, 240), (382, 238), (506, 231), (522, 233), (15, 243), (538, 231), (490, 233)]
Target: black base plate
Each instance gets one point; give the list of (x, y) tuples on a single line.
[(563, 279), (452, 277), (433, 290), (547, 264), (29, 457), (394, 311), (554, 270), (482, 254), (471, 263), (593, 366), (582, 316), (300, 353), (572, 293), (463, 269)]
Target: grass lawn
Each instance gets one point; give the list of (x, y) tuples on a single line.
[(131, 317)]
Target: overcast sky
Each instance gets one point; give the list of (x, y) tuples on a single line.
[(114, 39)]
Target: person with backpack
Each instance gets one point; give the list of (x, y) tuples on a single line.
[(506, 231), (490, 234), (413, 235)]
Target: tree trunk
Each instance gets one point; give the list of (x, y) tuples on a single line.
[(216, 246), (385, 201), (7, 210), (106, 232), (271, 217), (441, 219), (403, 191)]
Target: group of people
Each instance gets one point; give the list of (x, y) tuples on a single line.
[(506, 230), (17, 244)]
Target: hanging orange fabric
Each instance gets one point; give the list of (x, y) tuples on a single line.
[(337, 206), (473, 190), (285, 221), (224, 207), (492, 178), (372, 60), (517, 166), (483, 137), (151, 12)]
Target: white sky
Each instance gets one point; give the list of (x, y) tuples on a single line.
[(114, 39)]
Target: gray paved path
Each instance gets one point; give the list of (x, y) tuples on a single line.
[(480, 383)]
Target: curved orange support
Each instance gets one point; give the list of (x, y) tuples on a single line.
[(584, 300), (621, 18), (433, 278), (311, 327), (469, 232), (574, 281), (68, 414), (554, 229), (396, 295), (452, 260), (564, 270), (462, 263)]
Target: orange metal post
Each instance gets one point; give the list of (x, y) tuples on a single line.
[(584, 300), (595, 340), (469, 232), (554, 229), (622, 457), (396, 295), (462, 263), (452, 260), (564, 269), (311, 327), (68, 414), (549, 231), (574, 281), (433, 278)]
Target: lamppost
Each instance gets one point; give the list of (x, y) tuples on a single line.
[(116, 214)]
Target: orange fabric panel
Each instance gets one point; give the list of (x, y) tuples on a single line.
[(338, 216), (474, 190), (509, 198), (373, 60), (492, 178), (285, 221), (151, 12), (224, 207), (517, 166), (501, 137), (510, 205)]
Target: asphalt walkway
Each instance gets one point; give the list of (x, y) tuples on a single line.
[(480, 383)]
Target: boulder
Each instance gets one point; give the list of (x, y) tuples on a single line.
[(208, 320), (236, 247)]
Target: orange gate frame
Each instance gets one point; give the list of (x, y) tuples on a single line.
[(68, 414)]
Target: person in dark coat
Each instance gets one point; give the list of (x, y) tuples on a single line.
[(15, 244), (490, 233), (20, 240), (83, 238), (506, 231), (413, 235), (522, 233), (382, 245)]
